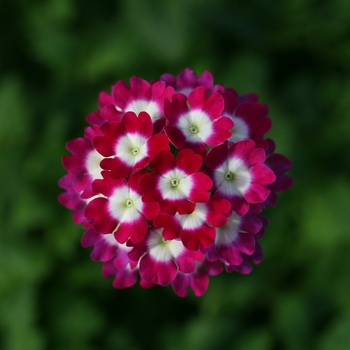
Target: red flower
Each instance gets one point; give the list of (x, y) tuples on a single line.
[(239, 174), (129, 145), (176, 183), (170, 180), (200, 124)]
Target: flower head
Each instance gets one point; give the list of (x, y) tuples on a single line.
[(170, 181)]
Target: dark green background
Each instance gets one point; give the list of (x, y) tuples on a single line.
[(57, 55)]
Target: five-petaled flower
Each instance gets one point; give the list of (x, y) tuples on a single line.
[(170, 180)]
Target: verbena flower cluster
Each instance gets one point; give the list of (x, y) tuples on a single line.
[(170, 180)]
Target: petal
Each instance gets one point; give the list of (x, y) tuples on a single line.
[(163, 162), (217, 156), (188, 161), (160, 272), (156, 144)]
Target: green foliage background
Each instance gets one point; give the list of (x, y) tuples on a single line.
[(56, 55)]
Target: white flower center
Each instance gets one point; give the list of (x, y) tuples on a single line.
[(150, 107), (233, 177), (92, 164), (131, 148), (194, 220), (240, 131), (229, 232), (175, 184), (161, 249), (125, 205), (196, 125)]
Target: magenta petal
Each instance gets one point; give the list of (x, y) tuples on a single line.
[(255, 157), (256, 194), (217, 156), (160, 272), (135, 231), (150, 210), (175, 135), (188, 161), (148, 186), (121, 94), (95, 118), (201, 185), (110, 113), (221, 131), (104, 99), (156, 144), (252, 225), (163, 162), (125, 278), (104, 250), (175, 108), (198, 281), (97, 211), (241, 149), (230, 254), (182, 206), (239, 205), (172, 226), (231, 101), (263, 175), (187, 261), (107, 185), (246, 243), (140, 87), (141, 124), (117, 167), (212, 105), (205, 235), (134, 180)]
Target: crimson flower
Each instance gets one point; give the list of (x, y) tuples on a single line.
[(200, 124), (170, 181), (176, 184)]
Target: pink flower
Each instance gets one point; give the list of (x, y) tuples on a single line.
[(124, 277), (236, 237), (71, 199), (160, 259), (129, 145), (84, 163), (200, 124), (199, 228), (120, 210), (140, 96), (197, 280), (176, 184), (250, 119), (188, 80), (239, 174)]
